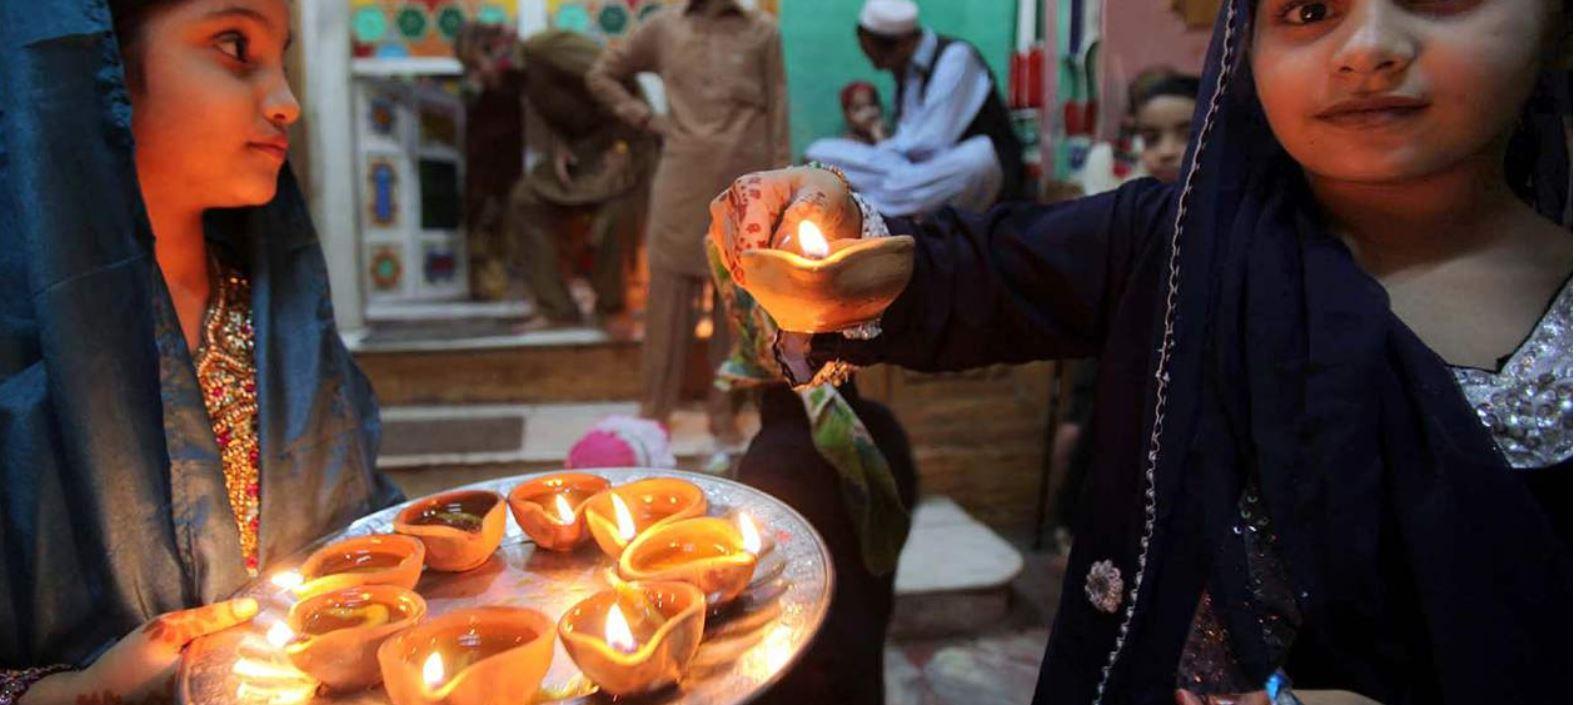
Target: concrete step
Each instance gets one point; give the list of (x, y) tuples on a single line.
[(416, 437), (503, 362), (955, 574), (449, 311)]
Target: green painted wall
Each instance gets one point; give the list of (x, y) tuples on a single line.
[(822, 53)]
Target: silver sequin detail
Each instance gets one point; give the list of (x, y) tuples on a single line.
[(1527, 404), (872, 225), (1208, 665), (1103, 587)]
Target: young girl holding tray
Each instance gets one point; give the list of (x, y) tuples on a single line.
[(176, 407)]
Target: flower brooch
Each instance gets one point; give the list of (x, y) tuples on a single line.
[(1103, 587)]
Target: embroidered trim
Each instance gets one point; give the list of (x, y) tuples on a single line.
[(872, 225), (1167, 341)]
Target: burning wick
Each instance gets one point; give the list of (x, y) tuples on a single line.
[(280, 634), (616, 631), (626, 522), (566, 515), (811, 241), (750, 535), (287, 580), (432, 670)]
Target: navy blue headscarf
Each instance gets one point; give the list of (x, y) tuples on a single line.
[(1423, 568), (112, 499), (1245, 354)]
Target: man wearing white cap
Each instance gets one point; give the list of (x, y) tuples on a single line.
[(954, 143)]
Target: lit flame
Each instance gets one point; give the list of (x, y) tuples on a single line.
[(616, 631), (812, 241), (276, 695), (566, 514), (432, 670), (280, 634), (287, 580), (256, 671), (750, 535), (626, 521)]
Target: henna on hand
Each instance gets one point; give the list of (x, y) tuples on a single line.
[(164, 694), (177, 629)]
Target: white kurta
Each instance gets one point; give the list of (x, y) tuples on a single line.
[(926, 164)]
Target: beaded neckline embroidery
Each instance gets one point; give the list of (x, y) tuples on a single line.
[(227, 373), (1526, 405)]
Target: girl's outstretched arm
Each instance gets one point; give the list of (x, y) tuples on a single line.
[(1020, 282)]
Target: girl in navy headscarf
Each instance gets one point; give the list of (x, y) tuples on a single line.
[(1334, 430), (176, 407)]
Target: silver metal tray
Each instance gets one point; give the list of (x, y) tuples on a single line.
[(748, 645)]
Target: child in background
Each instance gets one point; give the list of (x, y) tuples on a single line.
[(1160, 105), (862, 116), (1160, 114)]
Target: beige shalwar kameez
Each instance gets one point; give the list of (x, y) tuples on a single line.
[(722, 71)]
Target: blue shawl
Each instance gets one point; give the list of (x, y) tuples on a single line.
[(112, 500)]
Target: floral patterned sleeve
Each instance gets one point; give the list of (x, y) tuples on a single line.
[(14, 683)]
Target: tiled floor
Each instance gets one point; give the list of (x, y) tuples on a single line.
[(995, 669)]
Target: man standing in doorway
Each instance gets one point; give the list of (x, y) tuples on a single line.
[(953, 145), (722, 72)]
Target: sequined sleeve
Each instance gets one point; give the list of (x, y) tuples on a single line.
[(1526, 405), (15, 683)]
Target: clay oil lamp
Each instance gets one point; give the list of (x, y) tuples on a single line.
[(551, 510), (637, 637), (713, 554), (379, 559), (750, 535), (617, 516), (334, 637), (461, 529), (477, 656), (811, 286)]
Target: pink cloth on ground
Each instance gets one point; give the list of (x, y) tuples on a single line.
[(623, 441)]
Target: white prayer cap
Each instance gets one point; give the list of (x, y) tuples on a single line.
[(889, 18)]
